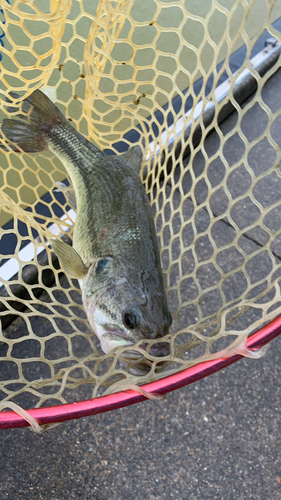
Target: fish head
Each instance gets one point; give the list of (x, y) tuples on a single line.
[(123, 311)]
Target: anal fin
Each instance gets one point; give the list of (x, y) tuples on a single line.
[(69, 194)]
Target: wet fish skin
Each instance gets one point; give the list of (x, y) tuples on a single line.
[(115, 254)]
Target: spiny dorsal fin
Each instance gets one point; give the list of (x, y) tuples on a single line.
[(133, 157), (70, 260)]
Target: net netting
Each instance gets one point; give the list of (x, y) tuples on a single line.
[(142, 71)]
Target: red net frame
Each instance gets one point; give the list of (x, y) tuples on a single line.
[(61, 413)]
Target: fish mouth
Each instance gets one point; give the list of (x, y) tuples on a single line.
[(113, 330), (112, 339), (159, 350), (138, 363)]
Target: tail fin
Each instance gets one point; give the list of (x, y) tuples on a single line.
[(30, 133)]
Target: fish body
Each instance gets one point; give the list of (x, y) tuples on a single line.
[(115, 254)]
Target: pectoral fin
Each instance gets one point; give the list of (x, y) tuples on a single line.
[(70, 260), (133, 157)]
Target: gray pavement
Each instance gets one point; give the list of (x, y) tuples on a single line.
[(216, 439)]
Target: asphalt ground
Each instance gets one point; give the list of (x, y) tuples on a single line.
[(216, 439)]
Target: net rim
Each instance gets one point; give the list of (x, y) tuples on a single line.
[(71, 411)]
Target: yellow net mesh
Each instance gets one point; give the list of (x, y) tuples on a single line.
[(114, 67)]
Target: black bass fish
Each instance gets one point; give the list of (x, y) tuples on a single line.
[(115, 254)]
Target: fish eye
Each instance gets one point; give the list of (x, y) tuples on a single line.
[(131, 319), (102, 263), (170, 319)]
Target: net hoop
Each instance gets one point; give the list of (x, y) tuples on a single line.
[(57, 414)]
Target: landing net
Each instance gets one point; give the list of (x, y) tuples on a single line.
[(161, 74)]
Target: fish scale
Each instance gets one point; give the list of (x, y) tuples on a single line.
[(108, 181)]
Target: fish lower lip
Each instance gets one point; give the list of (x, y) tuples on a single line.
[(140, 365), (110, 340), (161, 349)]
